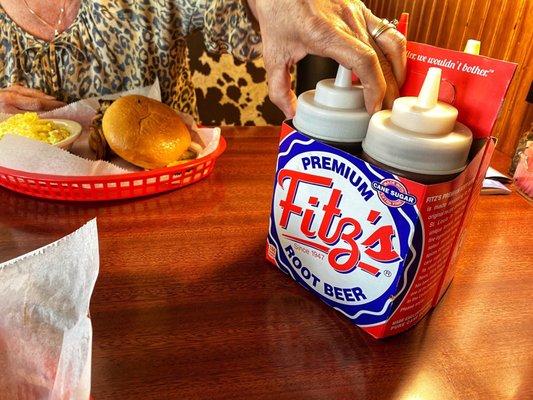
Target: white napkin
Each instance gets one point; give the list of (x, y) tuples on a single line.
[(497, 176), (494, 182), (491, 186), (45, 334)]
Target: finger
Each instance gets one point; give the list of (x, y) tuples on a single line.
[(356, 25), (28, 92), (32, 103), (279, 89), (392, 43), (355, 21), (363, 60), (392, 92), (8, 109)]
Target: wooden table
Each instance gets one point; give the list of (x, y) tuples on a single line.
[(186, 306)]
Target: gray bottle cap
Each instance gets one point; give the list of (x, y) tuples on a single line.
[(335, 111)]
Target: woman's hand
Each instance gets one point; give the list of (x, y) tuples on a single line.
[(16, 99), (339, 29)]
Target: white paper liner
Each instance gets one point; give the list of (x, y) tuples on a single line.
[(30, 155)]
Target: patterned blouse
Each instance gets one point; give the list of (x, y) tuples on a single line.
[(116, 45)]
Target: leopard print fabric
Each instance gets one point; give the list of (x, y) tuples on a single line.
[(117, 45)]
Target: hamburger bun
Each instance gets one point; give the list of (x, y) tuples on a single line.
[(145, 132)]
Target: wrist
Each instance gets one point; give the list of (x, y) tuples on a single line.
[(251, 5)]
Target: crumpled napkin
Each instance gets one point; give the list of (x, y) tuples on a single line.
[(45, 332)]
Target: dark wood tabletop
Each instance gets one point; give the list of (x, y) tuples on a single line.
[(186, 307)]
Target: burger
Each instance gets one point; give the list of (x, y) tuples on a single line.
[(144, 132)]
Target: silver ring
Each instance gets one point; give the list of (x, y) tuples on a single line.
[(383, 27)]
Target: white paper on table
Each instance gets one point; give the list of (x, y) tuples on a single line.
[(83, 112), (494, 187), (498, 176), (45, 333)]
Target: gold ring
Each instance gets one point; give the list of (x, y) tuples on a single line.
[(383, 27)]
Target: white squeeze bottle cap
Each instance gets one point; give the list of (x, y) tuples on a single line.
[(425, 114), (335, 111), (420, 134), (473, 47)]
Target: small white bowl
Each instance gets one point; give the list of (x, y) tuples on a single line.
[(73, 127)]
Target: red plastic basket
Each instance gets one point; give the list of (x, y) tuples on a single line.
[(110, 187)]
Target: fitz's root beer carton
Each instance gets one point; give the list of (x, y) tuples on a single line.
[(376, 244)]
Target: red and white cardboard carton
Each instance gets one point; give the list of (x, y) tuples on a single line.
[(377, 247)]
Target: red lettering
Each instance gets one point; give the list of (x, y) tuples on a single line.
[(296, 178), (331, 210), (353, 252), (307, 221), (382, 237), (377, 246)]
